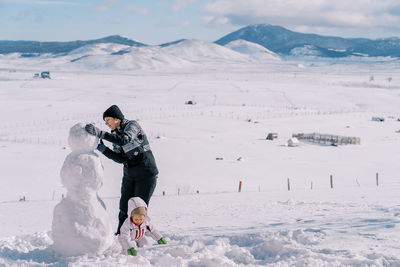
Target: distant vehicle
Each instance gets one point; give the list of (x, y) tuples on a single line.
[(36, 75), (272, 136), (45, 75), (378, 119), (190, 102)]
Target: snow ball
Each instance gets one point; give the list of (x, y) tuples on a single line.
[(305, 238), (81, 141), (82, 173), (168, 260), (240, 255), (80, 227), (268, 250), (293, 142)]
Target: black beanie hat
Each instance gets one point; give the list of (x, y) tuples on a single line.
[(113, 112)]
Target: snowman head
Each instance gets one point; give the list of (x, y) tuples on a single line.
[(81, 141)]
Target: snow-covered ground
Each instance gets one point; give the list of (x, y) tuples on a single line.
[(355, 223)]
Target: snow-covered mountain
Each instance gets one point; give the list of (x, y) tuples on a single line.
[(274, 38), (110, 56), (132, 58), (196, 50), (34, 47), (98, 49), (251, 45), (284, 41), (181, 54), (253, 50), (172, 43), (315, 51)]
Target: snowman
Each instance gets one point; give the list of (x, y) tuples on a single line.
[(80, 221)]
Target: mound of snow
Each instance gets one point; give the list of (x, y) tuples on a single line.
[(98, 49), (252, 49), (134, 58), (196, 50), (274, 248), (179, 55), (306, 50)]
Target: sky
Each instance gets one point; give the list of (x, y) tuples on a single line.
[(160, 21)]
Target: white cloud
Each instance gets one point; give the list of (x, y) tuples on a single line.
[(173, 24), (216, 21), (307, 14), (208, 19), (220, 7), (105, 5), (180, 4), (137, 9), (22, 15)]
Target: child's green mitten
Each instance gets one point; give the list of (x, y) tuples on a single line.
[(132, 252), (162, 241)]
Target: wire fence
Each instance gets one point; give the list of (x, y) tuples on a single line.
[(55, 131), (287, 185)]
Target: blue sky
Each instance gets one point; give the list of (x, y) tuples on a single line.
[(159, 21)]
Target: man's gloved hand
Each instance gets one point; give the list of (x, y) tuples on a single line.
[(132, 252), (162, 241), (101, 147), (93, 130)]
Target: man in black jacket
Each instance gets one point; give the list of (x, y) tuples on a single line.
[(132, 149)]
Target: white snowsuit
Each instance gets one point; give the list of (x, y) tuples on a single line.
[(133, 236)]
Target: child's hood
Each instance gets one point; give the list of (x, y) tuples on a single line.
[(134, 203)]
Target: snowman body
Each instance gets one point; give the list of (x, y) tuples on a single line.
[(80, 221)]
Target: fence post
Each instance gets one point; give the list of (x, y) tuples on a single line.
[(331, 181), (240, 186), (377, 179), (288, 184)]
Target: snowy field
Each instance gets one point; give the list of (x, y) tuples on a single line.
[(204, 219)]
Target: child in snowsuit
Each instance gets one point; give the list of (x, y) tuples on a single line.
[(135, 227)]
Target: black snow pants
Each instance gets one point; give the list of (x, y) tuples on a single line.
[(142, 188)]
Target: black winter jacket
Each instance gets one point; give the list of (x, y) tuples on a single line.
[(131, 148)]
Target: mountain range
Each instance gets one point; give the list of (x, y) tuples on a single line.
[(285, 42), (277, 39), (34, 47)]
